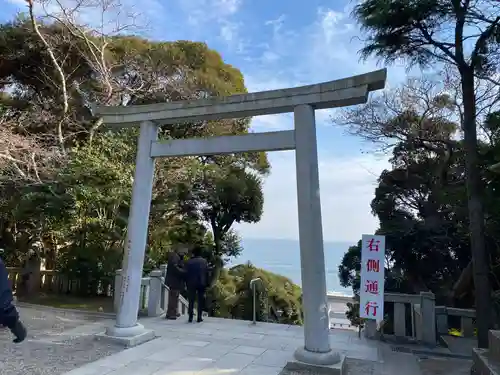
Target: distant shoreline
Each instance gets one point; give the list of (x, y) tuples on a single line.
[(339, 294), (282, 257)]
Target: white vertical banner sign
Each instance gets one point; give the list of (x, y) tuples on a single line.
[(371, 292)]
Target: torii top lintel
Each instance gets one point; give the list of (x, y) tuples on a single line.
[(339, 93)]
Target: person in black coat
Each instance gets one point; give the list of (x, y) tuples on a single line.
[(175, 282), (196, 274), (9, 316)]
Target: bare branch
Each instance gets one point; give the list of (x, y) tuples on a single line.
[(59, 70), (407, 112)]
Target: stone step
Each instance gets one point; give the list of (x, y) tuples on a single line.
[(483, 363), (494, 344)]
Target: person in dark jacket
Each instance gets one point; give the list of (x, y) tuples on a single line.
[(197, 270), (9, 317), (175, 282)]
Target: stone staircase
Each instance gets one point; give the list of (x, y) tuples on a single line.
[(487, 361)]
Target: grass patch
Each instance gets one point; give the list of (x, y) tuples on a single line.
[(91, 304)]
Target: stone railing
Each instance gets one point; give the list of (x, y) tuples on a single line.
[(466, 316), (336, 310), (415, 318), (411, 317), (50, 281), (154, 294)]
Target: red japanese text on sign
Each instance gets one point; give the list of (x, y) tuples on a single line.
[(371, 291), (371, 286), (371, 308), (373, 244), (373, 265)]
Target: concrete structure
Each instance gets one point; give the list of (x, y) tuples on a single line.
[(337, 308), (302, 101)]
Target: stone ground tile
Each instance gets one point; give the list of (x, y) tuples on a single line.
[(269, 343), (196, 343), (233, 361), (165, 334), (250, 336), (260, 370), (211, 371), (444, 366), (130, 355), (362, 367), (279, 343), (362, 354), (278, 332), (223, 335), (398, 363), (139, 367), (187, 365), (187, 337), (250, 350), (275, 358), (171, 354), (214, 351)]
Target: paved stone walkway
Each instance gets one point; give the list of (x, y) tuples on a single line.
[(62, 342), (57, 342), (220, 346)]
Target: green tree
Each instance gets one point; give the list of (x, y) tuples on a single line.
[(65, 181), (222, 196), (464, 35), (420, 200), (278, 299)]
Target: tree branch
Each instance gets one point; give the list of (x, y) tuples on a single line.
[(59, 70)]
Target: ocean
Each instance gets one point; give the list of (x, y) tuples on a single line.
[(283, 257)]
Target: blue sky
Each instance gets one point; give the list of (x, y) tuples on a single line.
[(278, 44)]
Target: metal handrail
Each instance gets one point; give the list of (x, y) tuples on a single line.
[(252, 286)]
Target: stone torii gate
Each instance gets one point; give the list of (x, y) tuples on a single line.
[(302, 101)]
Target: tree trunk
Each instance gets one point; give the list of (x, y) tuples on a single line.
[(217, 233), (480, 263)]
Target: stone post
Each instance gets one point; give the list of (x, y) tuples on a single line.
[(428, 309), (155, 292), (370, 329), (316, 348), (467, 326), (399, 319), (164, 291), (441, 320), (117, 287), (126, 320)]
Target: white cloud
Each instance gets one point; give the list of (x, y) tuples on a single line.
[(346, 186), (229, 32), (203, 13), (324, 50), (327, 49), (226, 7)]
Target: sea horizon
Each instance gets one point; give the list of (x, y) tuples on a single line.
[(282, 256)]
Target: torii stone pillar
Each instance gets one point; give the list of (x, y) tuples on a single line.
[(303, 101), (126, 325), (312, 258)]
